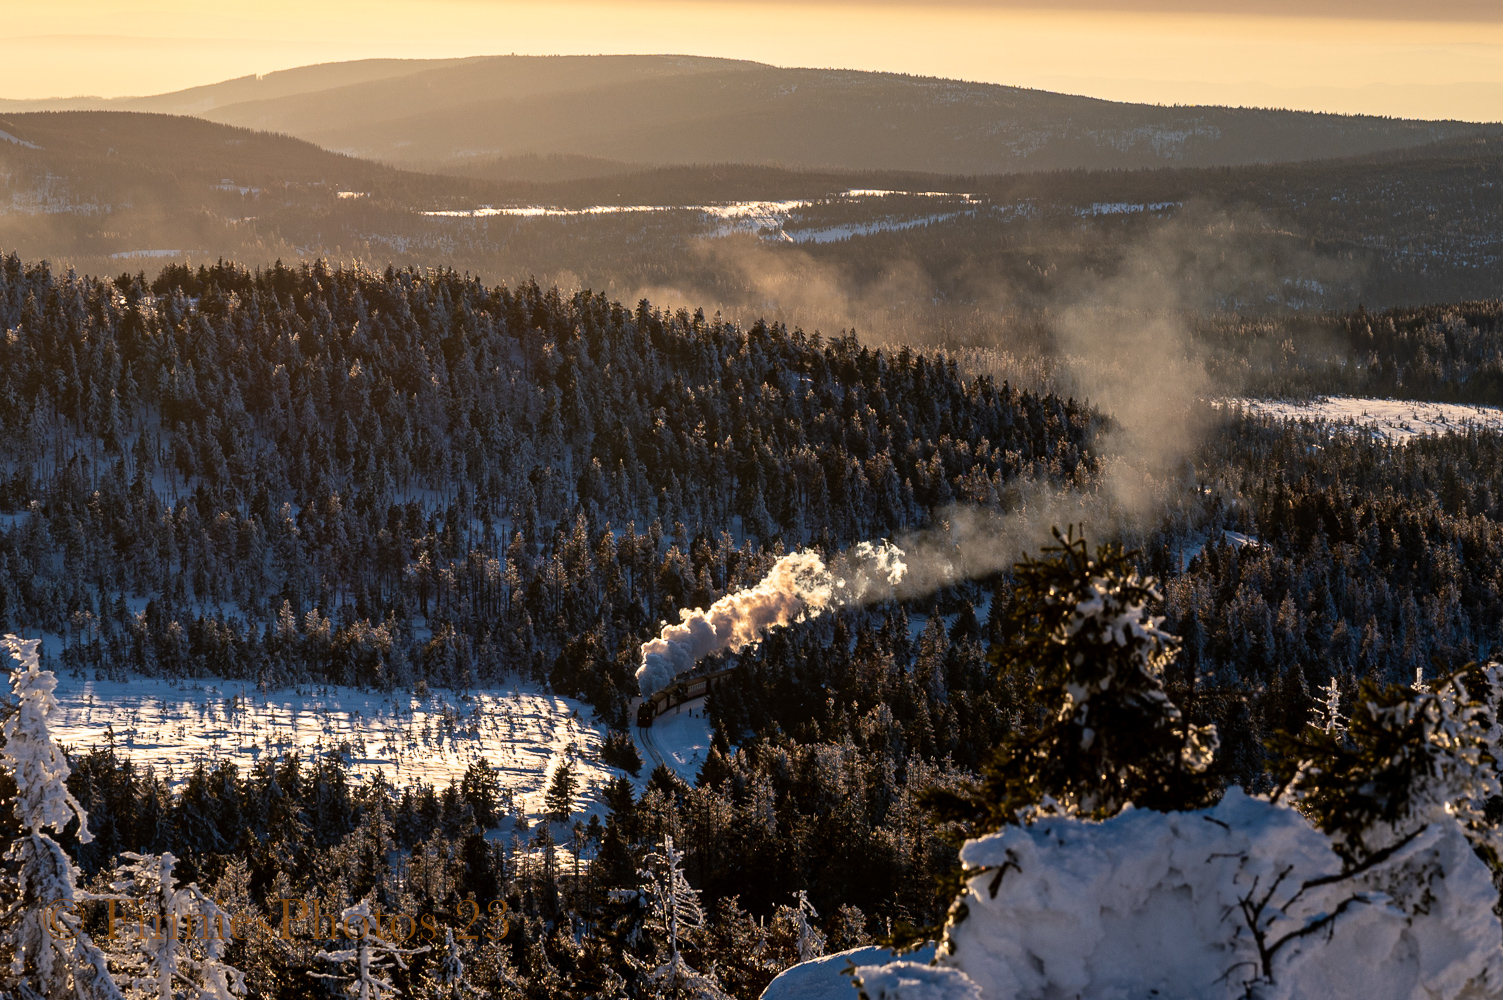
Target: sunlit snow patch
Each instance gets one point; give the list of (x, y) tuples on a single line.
[(767, 217), (172, 724), (6, 136), (1396, 420)]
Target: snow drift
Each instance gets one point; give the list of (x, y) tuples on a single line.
[(830, 976), (799, 585), (913, 981), (1243, 899)]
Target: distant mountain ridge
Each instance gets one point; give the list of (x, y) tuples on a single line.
[(461, 115)]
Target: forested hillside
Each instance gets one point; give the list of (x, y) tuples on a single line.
[(383, 450), (315, 475)]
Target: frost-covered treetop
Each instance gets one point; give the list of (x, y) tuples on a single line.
[(1088, 661), (1114, 613), (41, 768), (1408, 757)]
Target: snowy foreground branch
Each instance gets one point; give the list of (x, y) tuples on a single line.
[(51, 954), (172, 952), (1246, 898)]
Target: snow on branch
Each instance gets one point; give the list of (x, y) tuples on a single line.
[(41, 769)]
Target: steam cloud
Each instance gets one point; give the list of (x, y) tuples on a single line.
[(964, 544), (1125, 347), (800, 585)]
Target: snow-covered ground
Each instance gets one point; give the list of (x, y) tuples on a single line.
[(765, 217), (6, 136), (1396, 420), (825, 978), (536, 211), (830, 234), (680, 739), (1152, 904), (1189, 548), (523, 733)]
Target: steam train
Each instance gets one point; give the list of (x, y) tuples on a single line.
[(677, 693)]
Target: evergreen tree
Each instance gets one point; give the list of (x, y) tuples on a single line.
[(1099, 730), (674, 913), (52, 955), (808, 939), (559, 802), (1409, 756), (620, 750), (481, 788), (369, 961), (174, 938), (448, 980)]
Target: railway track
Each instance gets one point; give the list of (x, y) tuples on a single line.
[(644, 737)]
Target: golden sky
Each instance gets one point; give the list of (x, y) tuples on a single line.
[(1438, 59)]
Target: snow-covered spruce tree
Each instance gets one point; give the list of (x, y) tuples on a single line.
[(1406, 757), (1099, 730), (1327, 709), (808, 940), (673, 911), (50, 953), (172, 939), (370, 958), (451, 969), (447, 980)]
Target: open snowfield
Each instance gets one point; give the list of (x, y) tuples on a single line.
[(770, 218), (171, 724), (1396, 420), (522, 732)]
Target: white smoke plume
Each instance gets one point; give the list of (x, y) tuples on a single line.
[(965, 543), (969, 543), (799, 586), (1126, 348)]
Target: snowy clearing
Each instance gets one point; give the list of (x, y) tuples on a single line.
[(765, 217), (18, 141), (1396, 420), (830, 234), (524, 734), (680, 739), (1190, 548)]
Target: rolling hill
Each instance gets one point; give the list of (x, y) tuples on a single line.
[(471, 114), (283, 83), (100, 187)]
